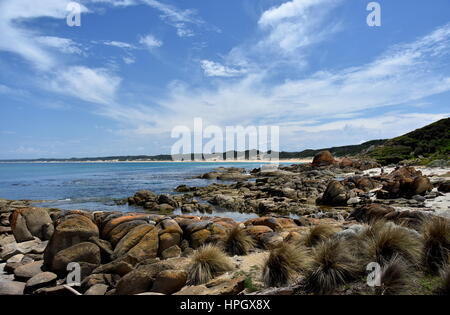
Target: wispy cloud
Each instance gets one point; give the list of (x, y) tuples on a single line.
[(91, 85), (119, 44), (65, 45), (150, 41), (215, 69)]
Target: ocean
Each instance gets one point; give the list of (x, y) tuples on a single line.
[(95, 186)]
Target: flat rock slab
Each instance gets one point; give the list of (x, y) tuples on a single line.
[(40, 280), (11, 288), (29, 270), (97, 289)]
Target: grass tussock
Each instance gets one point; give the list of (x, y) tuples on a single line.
[(333, 264), (318, 234), (238, 242), (207, 263), (395, 278), (444, 287), (436, 238), (383, 241), (284, 263)]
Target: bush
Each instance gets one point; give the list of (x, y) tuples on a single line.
[(318, 234), (207, 263), (436, 238), (238, 242), (333, 264), (284, 263)]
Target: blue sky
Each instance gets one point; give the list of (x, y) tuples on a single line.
[(134, 69)]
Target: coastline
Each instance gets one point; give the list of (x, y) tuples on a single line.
[(306, 160)]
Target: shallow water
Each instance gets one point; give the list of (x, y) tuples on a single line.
[(95, 186)]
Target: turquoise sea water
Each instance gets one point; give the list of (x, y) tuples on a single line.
[(94, 186)]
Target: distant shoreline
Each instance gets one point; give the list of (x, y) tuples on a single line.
[(305, 160)]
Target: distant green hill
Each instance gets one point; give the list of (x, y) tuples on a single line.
[(428, 143), (347, 150)]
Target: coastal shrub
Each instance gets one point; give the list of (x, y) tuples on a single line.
[(395, 278), (317, 234), (208, 262), (238, 242), (284, 264), (436, 238), (382, 241), (333, 264)]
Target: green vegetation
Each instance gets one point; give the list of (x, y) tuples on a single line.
[(428, 143)]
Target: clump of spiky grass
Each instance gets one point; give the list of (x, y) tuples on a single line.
[(333, 264), (436, 239), (395, 278), (382, 241), (318, 234), (284, 264), (238, 242), (208, 262), (444, 287)]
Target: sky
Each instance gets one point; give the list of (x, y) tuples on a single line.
[(134, 69)]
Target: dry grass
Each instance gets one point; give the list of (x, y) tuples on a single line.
[(238, 242), (444, 287), (318, 234), (333, 264), (383, 241), (208, 262), (436, 238), (395, 278), (284, 263)]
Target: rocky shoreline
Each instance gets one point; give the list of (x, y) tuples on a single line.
[(336, 204)]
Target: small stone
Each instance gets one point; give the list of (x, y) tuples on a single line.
[(97, 289)]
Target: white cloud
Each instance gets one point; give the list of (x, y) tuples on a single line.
[(119, 44), (180, 19), (150, 41), (16, 38), (297, 24), (129, 60), (91, 85), (405, 74), (65, 45), (215, 69)]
